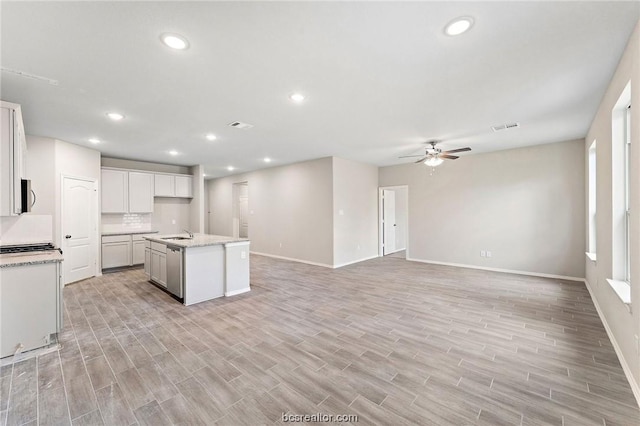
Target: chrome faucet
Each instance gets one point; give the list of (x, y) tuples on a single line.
[(189, 232)]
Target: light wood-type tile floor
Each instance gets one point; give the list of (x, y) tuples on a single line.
[(392, 341)]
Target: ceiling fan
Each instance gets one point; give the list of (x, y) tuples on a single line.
[(435, 156)]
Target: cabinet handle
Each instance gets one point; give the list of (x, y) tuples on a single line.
[(67, 236)]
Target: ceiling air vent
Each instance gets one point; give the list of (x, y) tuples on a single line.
[(240, 125), (505, 127)]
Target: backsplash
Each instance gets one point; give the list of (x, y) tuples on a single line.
[(126, 222)]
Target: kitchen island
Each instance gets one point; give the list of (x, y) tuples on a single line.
[(199, 267)]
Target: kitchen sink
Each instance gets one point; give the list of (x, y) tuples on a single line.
[(176, 238)]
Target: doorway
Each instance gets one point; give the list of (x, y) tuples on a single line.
[(79, 228), (241, 210), (393, 221)]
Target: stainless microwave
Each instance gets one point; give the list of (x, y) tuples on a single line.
[(28, 198)]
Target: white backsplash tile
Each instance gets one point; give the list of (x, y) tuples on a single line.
[(126, 222)]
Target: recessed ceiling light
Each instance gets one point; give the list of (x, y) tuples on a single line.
[(94, 140), (230, 168), (175, 41), (267, 159), (211, 137), (458, 26), (297, 97), (173, 152), (115, 116)]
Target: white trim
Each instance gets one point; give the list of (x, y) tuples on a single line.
[(635, 388), (235, 292), (324, 265), (381, 228), (356, 261), (622, 289), (508, 271), (591, 256)]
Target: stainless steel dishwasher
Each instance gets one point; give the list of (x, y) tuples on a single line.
[(174, 271)]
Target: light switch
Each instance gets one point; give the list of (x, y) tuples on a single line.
[(341, 212), (483, 253)]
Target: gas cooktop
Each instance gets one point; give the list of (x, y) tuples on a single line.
[(27, 248)]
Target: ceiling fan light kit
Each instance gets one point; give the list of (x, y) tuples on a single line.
[(435, 156), (433, 161)]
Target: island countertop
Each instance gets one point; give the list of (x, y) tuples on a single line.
[(198, 240), (33, 258)]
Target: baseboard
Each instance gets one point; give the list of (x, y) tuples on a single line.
[(235, 292), (324, 265), (355, 261), (508, 271), (635, 388)]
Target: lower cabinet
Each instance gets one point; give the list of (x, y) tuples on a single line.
[(123, 250), (157, 265)]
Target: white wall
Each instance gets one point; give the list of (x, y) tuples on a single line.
[(524, 205), (198, 207), (355, 212), (290, 210), (622, 322)]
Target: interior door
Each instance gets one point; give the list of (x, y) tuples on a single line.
[(79, 228), (389, 221)]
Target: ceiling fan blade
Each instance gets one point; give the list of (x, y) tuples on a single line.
[(407, 156), (457, 150), (421, 160), (448, 157)]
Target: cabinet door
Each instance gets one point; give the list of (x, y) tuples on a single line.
[(6, 162), (184, 186), (164, 186), (159, 268), (137, 256), (147, 262), (163, 269), (115, 255), (115, 190), (140, 192)]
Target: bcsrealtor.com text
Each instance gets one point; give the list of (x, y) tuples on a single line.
[(319, 418)]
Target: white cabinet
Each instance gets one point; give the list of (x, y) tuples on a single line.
[(140, 192), (184, 186), (13, 147), (126, 192), (29, 307), (123, 250), (115, 191), (174, 186), (116, 251), (147, 261), (158, 263)]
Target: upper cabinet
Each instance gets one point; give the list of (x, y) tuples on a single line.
[(13, 147), (126, 192), (140, 192), (176, 186)]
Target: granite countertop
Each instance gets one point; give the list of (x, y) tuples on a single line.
[(198, 240), (22, 259), (131, 232)]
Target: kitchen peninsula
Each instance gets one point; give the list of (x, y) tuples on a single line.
[(199, 267)]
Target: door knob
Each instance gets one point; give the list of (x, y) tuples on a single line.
[(67, 236)]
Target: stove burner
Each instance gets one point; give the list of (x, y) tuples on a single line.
[(27, 248)]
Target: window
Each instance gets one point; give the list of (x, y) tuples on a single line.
[(592, 200), (627, 191)]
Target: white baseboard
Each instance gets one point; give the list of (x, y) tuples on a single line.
[(508, 271), (235, 292), (635, 388), (355, 261), (324, 265)]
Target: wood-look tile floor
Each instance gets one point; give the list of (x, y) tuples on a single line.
[(392, 341)]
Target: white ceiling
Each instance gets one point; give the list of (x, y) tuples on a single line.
[(380, 78)]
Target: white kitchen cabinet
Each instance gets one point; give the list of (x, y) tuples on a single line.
[(184, 186), (13, 147), (137, 253), (159, 267), (116, 251), (173, 186), (140, 192), (114, 191), (147, 262), (165, 185), (29, 307)]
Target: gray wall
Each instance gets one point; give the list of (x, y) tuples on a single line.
[(355, 212), (524, 205), (290, 210), (622, 322)]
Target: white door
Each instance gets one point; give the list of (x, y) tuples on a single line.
[(244, 217), (389, 220), (79, 227)]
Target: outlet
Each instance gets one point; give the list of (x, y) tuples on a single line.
[(358, 246), (483, 253), (488, 253), (637, 344), (243, 255), (280, 245), (173, 221), (341, 212)]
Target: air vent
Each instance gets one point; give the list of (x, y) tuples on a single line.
[(31, 76), (505, 127), (240, 125)]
